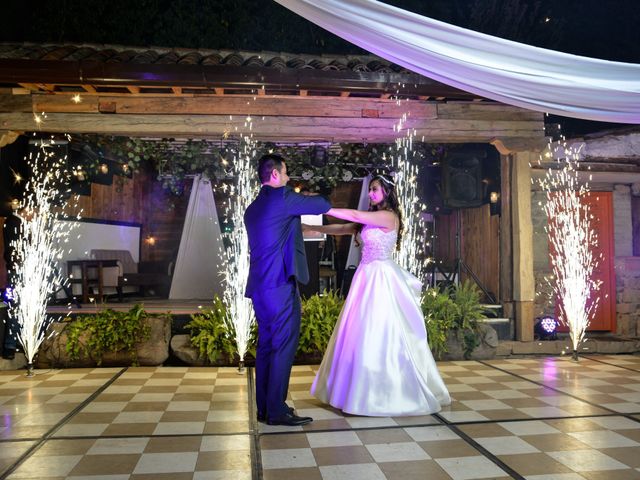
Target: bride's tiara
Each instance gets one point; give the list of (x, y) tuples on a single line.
[(387, 180)]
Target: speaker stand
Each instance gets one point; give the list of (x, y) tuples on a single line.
[(460, 265)]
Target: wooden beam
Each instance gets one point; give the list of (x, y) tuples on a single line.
[(177, 90), (219, 91), (134, 90), (227, 105), (89, 88), (347, 129)]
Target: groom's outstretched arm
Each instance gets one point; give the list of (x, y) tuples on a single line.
[(298, 204)]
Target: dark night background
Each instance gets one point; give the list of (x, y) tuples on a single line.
[(607, 29)]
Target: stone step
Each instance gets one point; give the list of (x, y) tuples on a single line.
[(502, 326)]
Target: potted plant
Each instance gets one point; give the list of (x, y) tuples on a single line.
[(108, 338), (210, 338), (451, 318), (319, 316)]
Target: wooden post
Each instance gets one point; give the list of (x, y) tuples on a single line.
[(522, 243)]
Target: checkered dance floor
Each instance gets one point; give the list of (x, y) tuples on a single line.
[(527, 418)]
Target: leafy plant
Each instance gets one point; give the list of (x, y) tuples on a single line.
[(454, 309), (319, 316), (440, 313), (108, 330), (210, 335)]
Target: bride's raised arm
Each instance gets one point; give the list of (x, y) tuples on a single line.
[(381, 218)]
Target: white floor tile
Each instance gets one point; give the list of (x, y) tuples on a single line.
[(333, 439), (485, 405), (166, 462), (115, 446), (397, 452), (604, 439), (587, 460), (507, 445), (225, 443), (533, 427), (179, 428), (456, 417), (288, 458), (363, 471), (467, 468), (138, 417), (429, 434)]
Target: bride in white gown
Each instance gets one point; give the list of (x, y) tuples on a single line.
[(378, 362)]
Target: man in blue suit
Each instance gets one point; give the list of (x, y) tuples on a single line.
[(278, 262)]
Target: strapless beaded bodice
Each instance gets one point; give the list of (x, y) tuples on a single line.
[(378, 244)]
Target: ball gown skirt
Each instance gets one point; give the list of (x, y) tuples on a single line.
[(378, 361)]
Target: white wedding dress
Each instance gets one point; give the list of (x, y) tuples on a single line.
[(378, 362)]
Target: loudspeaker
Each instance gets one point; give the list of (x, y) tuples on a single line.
[(462, 175)]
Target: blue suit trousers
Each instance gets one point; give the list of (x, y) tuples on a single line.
[(278, 315)]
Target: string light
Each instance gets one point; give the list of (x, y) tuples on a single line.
[(572, 239)]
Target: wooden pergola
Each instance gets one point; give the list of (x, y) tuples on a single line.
[(289, 98)]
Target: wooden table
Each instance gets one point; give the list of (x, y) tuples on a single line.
[(85, 265)]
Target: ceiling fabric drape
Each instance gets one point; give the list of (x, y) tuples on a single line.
[(502, 70)]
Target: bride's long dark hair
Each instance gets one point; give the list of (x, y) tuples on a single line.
[(389, 202)]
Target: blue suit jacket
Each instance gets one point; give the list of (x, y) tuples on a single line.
[(275, 237)]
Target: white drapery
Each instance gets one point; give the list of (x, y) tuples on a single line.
[(509, 72), (197, 274)]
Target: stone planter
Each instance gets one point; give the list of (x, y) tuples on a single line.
[(183, 349), (485, 351), (152, 352)]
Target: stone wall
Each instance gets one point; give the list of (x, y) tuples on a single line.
[(628, 295)]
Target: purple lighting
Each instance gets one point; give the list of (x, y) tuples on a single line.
[(548, 324), (8, 295), (545, 328)]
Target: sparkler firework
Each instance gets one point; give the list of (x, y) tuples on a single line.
[(38, 247), (410, 256), (240, 316), (572, 240)]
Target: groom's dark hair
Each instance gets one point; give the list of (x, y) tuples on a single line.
[(266, 164)]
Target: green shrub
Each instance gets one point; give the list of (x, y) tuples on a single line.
[(319, 316), (454, 309), (108, 330), (209, 333), (440, 313)]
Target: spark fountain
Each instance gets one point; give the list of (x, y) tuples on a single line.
[(240, 316), (572, 239), (38, 247), (404, 161)]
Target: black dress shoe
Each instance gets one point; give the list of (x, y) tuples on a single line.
[(262, 417), (290, 420)]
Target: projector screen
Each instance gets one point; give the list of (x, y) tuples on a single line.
[(90, 234)]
